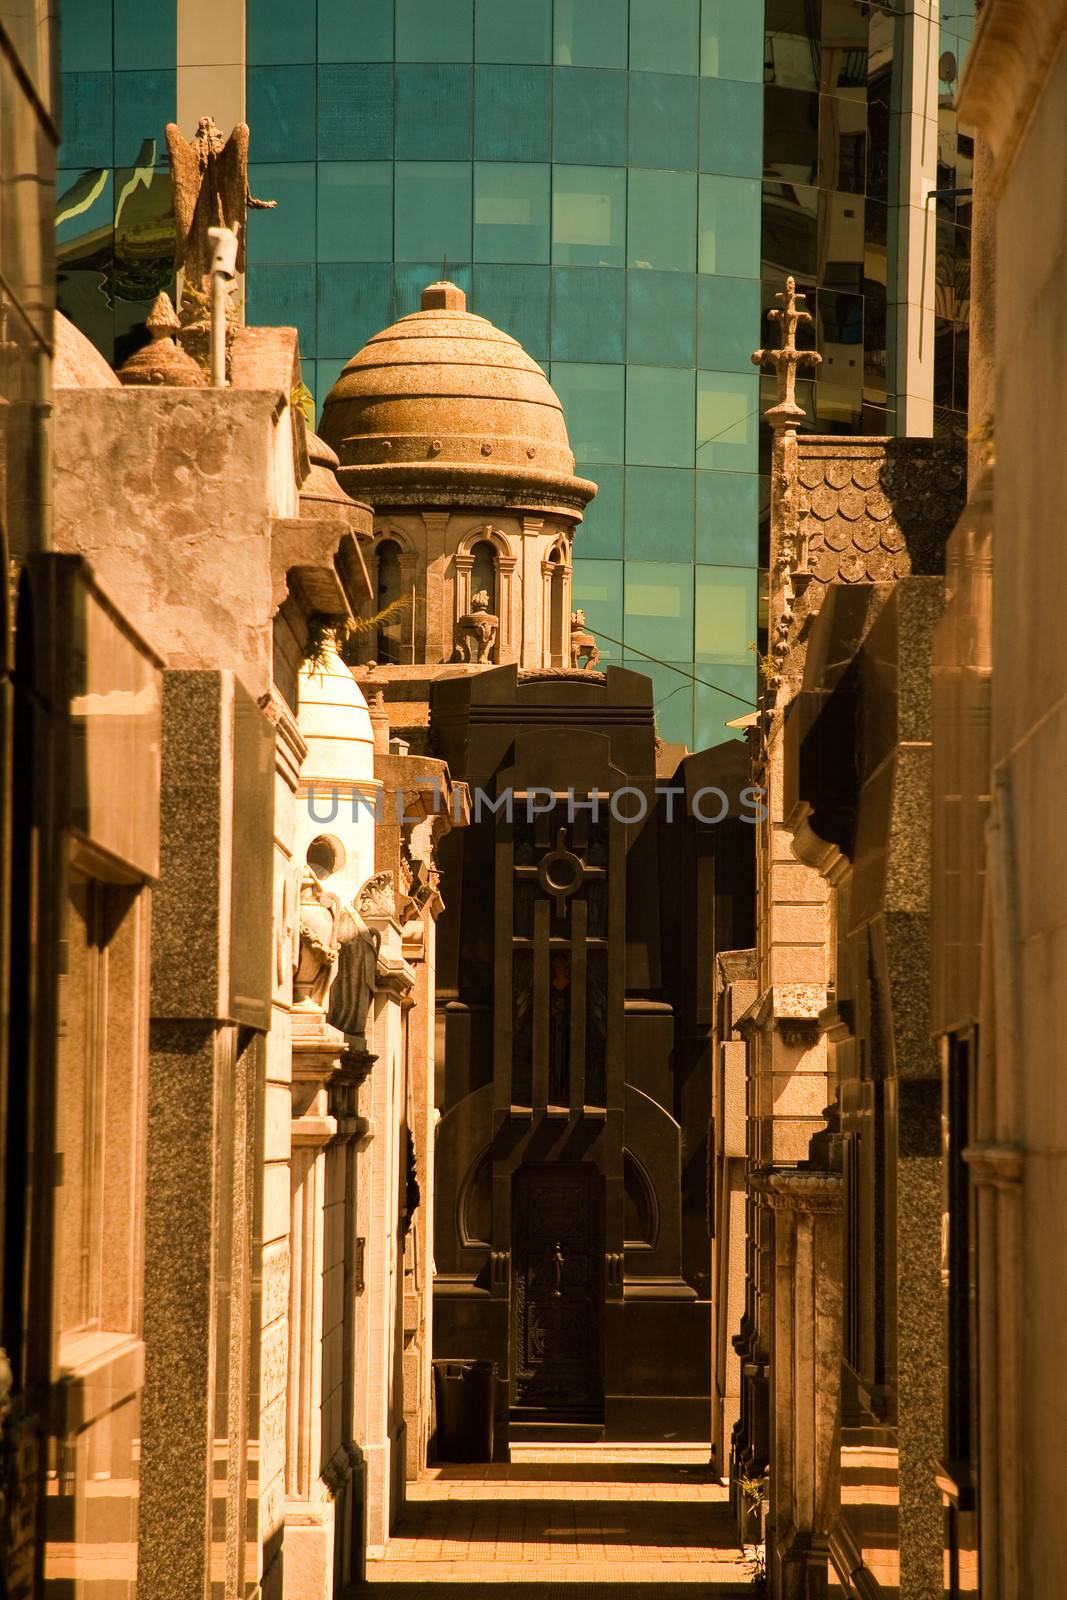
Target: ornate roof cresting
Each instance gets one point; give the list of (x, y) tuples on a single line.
[(786, 413)]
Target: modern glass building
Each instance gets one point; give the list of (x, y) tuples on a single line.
[(620, 184)]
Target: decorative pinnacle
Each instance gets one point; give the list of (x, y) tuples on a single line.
[(786, 413), (161, 321)]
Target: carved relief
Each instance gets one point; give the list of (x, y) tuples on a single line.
[(377, 898), (476, 630), (584, 651)]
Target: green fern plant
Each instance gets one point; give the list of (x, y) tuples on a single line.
[(324, 633)]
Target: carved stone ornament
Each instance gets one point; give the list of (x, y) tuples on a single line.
[(584, 651), (209, 177), (475, 632), (786, 413), (798, 1189), (377, 898), (316, 966)]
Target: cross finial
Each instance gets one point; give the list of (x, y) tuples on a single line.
[(786, 413)]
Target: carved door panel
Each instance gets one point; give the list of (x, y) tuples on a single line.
[(558, 1289)]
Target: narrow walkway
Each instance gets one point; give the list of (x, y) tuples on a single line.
[(554, 1519)]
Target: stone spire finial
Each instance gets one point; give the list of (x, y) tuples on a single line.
[(163, 361), (786, 413), (443, 296)]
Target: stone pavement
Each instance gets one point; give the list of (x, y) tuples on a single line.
[(566, 1522)]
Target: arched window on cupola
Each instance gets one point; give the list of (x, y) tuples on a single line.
[(483, 573), (389, 589), (556, 607)]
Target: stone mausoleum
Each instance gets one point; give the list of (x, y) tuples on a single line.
[(574, 991)]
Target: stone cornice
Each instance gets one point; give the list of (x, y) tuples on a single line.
[(798, 1188), (1015, 45)]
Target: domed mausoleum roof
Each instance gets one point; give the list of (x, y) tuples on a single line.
[(444, 409)]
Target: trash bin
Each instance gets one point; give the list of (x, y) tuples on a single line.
[(465, 1396)]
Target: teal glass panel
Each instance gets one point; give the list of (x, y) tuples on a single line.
[(731, 40), (410, 281), (722, 694), (85, 38), (592, 399), (590, 33), (596, 589), (725, 614), (731, 128), (589, 216), (433, 113), (728, 518), (659, 514), (369, 21), (354, 302), (287, 233), (327, 371), (278, 31), (672, 700), (515, 298), (589, 116), (729, 235), (659, 417), (588, 313), (661, 318), (504, 31), (727, 420), (434, 30), (664, 35), (728, 321), (144, 103), (355, 111), (88, 118), (512, 113), (146, 36), (283, 296), (662, 220), (600, 532), (85, 205), (432, 219), (658, 608), (663, 121), (511, 211), (355, 210), (281, 105)]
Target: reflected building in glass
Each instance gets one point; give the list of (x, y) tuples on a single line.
[(621, 185)]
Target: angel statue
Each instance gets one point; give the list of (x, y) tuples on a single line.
[(209, 177), (337, 965)]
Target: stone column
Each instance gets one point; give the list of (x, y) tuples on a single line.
[(309, 1535), (509, 609), (806, 1367), (382, 1382)]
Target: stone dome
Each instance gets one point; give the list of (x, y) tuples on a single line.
[(334, 721), (443, 409)]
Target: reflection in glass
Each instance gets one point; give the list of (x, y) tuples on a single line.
[(589, 216), (663, 121), (790, 134), (664, 35), (727, 420), (725, 614), (432, 202), (662, 220), (592, 398), (731, 41), (659, 416), (511, 212), (729, 230), (590, 33)]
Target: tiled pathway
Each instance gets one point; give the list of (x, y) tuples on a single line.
[(588, 1516)]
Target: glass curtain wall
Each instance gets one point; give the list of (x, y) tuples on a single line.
[(114, 225), (588, 171)]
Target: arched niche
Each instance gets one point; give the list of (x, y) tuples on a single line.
[(474, 1204), (641, 1214)]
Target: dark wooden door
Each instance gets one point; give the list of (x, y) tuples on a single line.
[(557, 1290)]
